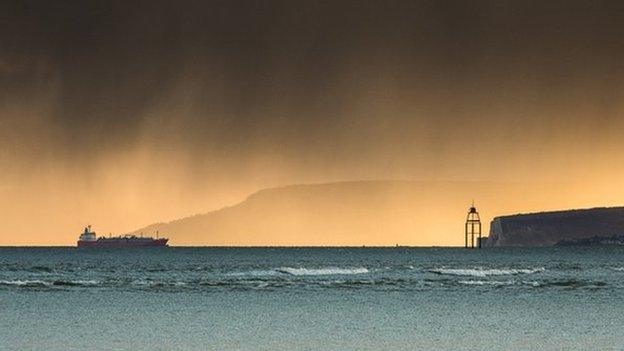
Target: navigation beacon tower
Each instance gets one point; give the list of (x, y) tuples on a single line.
[(473, 227)]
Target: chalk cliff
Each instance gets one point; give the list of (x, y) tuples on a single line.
[(550, 228)]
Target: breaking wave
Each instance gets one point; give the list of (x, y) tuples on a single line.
[(41, 283), (479, 272), (322, 271), (299, 272), (486, 282), (25, 283), (158, 284), (255, 273)]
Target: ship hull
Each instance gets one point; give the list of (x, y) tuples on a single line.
[(123, 243)]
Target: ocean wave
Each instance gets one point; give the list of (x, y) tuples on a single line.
[(487, 282), (480, 272), (619, 269), (75, 283), (42, 269), (322, 271), (532, 283), (25, 268), (255, 273), (158, 284), (42, 283), (25, 283), (301, 271), (311, 282), (573, 283), (568, 284)]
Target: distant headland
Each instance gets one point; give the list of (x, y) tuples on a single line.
[(595, 226)]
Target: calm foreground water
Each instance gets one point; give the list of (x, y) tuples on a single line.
[(312, 299)]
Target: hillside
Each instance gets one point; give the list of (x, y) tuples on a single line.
[(362, 212)]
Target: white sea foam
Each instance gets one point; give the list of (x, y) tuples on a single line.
[(533, 283), (254, 273), (480, 272), (25, 282), (41, 283), (498, 282), (86, 282), (619, 269), (486, 282), (322, 271)]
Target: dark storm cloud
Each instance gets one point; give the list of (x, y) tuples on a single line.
[(123, 113), (296, 69)]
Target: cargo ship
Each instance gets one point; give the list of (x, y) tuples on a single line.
[(88, 238)]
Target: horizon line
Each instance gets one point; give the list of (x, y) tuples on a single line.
[(243, 246)]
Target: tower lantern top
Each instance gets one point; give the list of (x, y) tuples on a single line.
[(472, 209)]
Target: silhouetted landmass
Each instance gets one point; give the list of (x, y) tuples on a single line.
[(584, 227), (360, 212), (344, 213)]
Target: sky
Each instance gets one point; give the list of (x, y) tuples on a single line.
[(124, 113)]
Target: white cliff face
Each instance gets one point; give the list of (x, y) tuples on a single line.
[(549, 228), (496, 230)]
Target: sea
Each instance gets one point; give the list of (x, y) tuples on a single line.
[(560, 298)]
